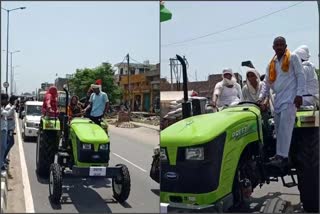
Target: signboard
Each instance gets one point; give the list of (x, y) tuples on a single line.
[(6, 84)]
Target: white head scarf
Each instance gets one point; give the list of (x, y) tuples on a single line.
[(226, 81), (253, 92), (303, 52)]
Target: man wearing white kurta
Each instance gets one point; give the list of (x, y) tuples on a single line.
[(285, 76), (309, 70), (227, 92)]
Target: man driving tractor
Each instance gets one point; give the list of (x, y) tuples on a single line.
[(50, 102)]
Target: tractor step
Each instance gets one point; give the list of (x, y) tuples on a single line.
[(274, 179), (63, 154), (289, 184)]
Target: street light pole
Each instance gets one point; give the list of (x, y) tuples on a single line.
[(7, 60), (12, 75)]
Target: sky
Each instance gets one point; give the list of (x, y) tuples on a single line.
[(209, 55), (60, 37)]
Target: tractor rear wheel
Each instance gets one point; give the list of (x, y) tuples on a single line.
[(47, 146), (305, 158), (121, 184)]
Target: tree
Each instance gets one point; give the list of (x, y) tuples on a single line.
[(83, 78)]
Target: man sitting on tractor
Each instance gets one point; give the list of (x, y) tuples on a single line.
[(284, 75), (74, 108), (99, 104), (227, 92), (50, 102), (309, 70)]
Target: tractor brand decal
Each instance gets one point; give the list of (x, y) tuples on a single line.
[(236, 135), (171, 175)]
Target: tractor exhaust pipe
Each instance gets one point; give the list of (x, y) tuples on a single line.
[(186, 105), (65, 120)]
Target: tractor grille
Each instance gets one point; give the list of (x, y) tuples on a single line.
[(194, 176), (90, 156)]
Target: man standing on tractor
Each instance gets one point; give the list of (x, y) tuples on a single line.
[(309, 70), (50, 102), (227, 92), (99, 104), (285, 76)]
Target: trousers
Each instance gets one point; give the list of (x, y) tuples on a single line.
[(284, 124)]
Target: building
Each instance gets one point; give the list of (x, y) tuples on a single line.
[(143, 88), (203, 88), (59, 82), (45, 86)]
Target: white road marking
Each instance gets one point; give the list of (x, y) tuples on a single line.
[(130, 162), (28, 200)]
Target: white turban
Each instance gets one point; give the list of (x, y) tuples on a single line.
[(95, 86), (303, 52)]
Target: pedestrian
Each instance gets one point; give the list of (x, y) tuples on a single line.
[(10, 108), (285, 77), (99, 104), (227, 92), (4, 133), (312, 84)]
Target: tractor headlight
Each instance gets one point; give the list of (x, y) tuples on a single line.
[(103, 146), (195, 153), (163, 155), (86, 146)]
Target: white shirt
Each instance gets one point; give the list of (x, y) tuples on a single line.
[(247, 96), (287, 85), (10, 116), (4, 124), (227, 96), (312, 84)]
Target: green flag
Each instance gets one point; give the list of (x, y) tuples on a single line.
[(165, 14)]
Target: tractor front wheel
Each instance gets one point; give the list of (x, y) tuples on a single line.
[(55, 183), (121, 184)]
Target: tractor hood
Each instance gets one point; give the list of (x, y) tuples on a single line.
[(88, 132), (203, 128)]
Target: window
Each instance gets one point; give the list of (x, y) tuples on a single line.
[(141, 70), (121, 71)]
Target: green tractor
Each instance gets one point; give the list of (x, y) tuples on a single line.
[(213, 162), (80, 149)]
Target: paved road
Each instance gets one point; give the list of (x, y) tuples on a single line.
[(133, 147)]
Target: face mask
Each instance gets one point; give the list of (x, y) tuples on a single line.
[(228, 82)]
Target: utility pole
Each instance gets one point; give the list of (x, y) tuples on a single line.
[(128, 63), (196, 76), (171, 86)]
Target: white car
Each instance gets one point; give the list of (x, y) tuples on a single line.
[(31, 119)]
